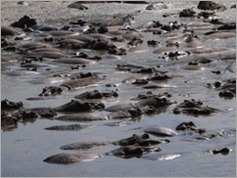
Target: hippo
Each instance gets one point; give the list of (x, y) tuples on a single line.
[(149, 94), (33, 46), (133, 35), (193, 41), (142, 140), (81, 82), (128, 113), (96, 95), (210, 5), (75, 106), (161, 50), (70, 43), (199, 61), (227, 26), (51, 55), (227, 88), (82, 117), (187, 13), (69, 158), (193, 107), (70, 127), (60, 33), (199, 26), (52, 91), (190, 126), (83, 145), (205, 14), (146, 106), (75, 81), (223, 151), (44, 27), (161, 131), (10, 31), (10, 105), (138, 49), (24, 22), (156, 6), (77, 5), (220, 34), (159, 77), (119, 21), (155, 102), (132, 151), (74, 60), (45, 112), (8, 121), (127, 67)]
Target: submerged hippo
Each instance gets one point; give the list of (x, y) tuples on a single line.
[(75, 81), (70, 127), (79, 106), (127, 113), (10, 31), (210, 5), (227, 88), (68, 158), (223, 151), (189, 126), (161, 131), (142, 140), (10, 105), (96, 95), (83, 117), (194, 107), (83, 145), (132, 151)]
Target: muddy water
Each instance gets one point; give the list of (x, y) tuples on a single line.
[(24, 148)]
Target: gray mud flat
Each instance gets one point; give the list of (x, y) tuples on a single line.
[(176, 65)]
